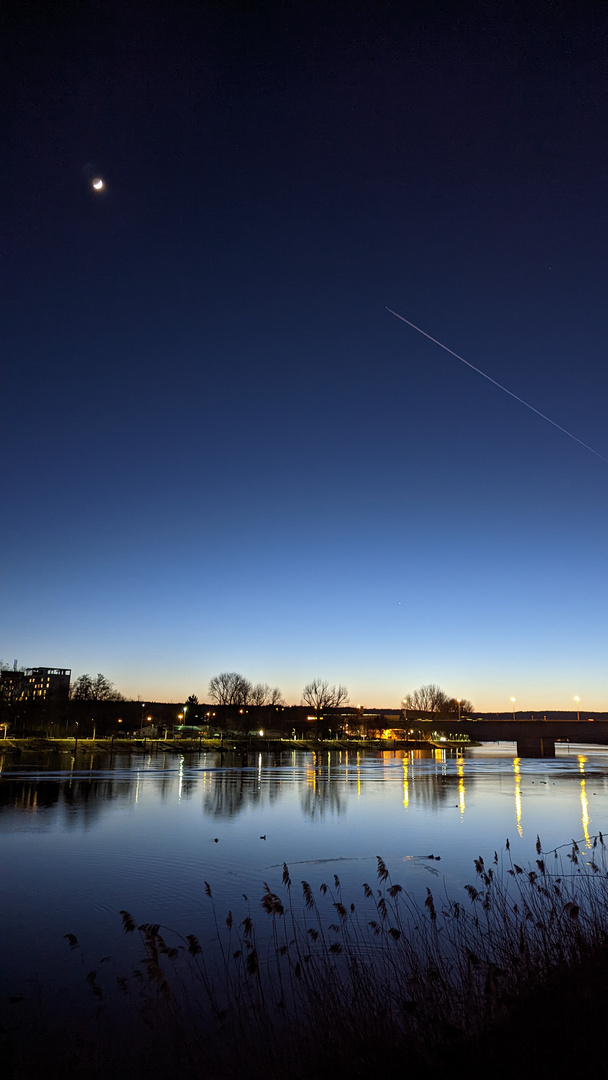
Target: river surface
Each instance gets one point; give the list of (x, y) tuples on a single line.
[(81, 840)]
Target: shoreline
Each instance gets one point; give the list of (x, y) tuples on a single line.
[(114, 744)]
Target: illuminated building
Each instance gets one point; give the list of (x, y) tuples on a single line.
[(35, 684)]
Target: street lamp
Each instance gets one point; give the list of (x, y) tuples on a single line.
[(577, 699), (458, 700), (513, 706)]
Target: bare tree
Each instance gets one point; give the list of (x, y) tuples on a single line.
[(323, 698), (429, 698), (220, 688), (230, 688), (260, 693), (263, 694), (319, 695), (243, 691), (464, 707)]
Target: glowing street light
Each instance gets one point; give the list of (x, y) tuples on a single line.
[(458, 700), (513, 706), (577, 699)]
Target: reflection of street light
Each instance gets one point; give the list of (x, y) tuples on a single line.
[(577, 699), (513, 706)]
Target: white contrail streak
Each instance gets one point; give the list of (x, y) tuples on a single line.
[(499, 385)]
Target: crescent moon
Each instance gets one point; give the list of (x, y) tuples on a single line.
[(98, 184)]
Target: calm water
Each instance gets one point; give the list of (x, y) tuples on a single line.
[(81, 840)]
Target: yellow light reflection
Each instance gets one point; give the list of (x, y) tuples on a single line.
[(460, 772), (585, 819), (406, 786), (311, 777), (516, 770)]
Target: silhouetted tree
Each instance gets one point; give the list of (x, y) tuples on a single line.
[(263, 694), (230, 688), (432, 699), (429, 698), (86, 688), (323, 698), (466, 707)]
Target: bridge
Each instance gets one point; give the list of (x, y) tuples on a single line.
[(534, 738)]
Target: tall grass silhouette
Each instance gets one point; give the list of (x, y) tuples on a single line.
[(318, 984)]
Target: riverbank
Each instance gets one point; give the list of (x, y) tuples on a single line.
[(35, 745)]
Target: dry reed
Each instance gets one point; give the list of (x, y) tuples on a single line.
[(343, 988)]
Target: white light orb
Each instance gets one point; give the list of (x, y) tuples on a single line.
[(98, 183)]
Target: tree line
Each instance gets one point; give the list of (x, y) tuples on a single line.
[(95, 701), (432, 699), (230, 688)]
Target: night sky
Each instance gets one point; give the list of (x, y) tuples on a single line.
[(220, 451)]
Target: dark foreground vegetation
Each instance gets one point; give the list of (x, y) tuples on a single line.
[(512, 978)]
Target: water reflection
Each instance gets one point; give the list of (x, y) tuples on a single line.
[(228, 792), (229, 784), (584, 801), (79, 797), (461, 788), (129, 831), (321, 788), (517, 772)]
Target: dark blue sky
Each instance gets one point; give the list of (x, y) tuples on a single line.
[(221, 452)]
